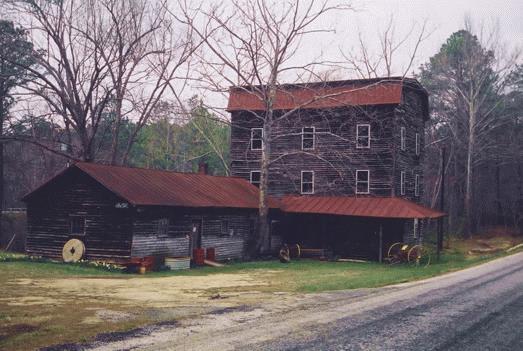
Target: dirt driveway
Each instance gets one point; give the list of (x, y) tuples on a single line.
[(35, 312)]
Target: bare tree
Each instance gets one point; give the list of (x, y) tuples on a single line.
[(101, 59), (253, 44), (366, 62), (70, 74)]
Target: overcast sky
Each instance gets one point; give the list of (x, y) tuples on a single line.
[(444, 17), (371, 17)]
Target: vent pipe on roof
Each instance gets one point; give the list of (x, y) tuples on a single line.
[(203, 167)]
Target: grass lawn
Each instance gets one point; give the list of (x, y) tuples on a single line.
[(306, 276), (45, 303)]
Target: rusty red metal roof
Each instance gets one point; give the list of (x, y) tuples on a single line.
[(150, 187), (383, 91), (378, 207)]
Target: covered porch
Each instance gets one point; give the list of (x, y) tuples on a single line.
[(349, 227)]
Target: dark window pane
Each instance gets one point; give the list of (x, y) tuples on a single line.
[(362, 176), (78, 225), (163, 226), (256, 138), (255, 178), (363, 136), (307, 138), (363, 130), (308, 143), (306, 188), (362, 187), (256, 144), (307, 177), (257, 133)]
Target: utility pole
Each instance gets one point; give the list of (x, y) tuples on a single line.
[(441, 203)]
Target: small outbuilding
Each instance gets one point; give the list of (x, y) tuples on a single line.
[(121, 213)]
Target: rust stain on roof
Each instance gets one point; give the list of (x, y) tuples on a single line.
[(150, 187), (378, 207), (325, 95), (142, 186)]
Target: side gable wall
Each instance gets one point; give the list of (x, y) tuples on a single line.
[(108, 229), (409, 115)]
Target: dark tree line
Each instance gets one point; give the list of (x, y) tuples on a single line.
[(477, 115)]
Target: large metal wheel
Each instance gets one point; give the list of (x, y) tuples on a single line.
[(419, 255), (394, 254)]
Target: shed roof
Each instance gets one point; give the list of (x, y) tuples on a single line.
[(378, 207), (380, 91), (150, 187)]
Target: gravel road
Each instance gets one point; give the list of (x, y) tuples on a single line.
[(480, 308)]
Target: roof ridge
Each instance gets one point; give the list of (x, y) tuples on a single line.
[(155, 170)]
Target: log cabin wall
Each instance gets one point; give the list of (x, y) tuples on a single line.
[(334, 158), (49, 212), (229, 240)]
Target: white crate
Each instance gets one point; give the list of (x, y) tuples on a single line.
[(175, 263)]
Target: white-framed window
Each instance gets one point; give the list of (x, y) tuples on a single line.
[(362, 181), (402, 182), (307, 182), (418, 145), (255, 178), (162, 228), (362, 136), (308, 138), (256, 138), (416, 185), (415, 228), (403, 135), (77, 225)]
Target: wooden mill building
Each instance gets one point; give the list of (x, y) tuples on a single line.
[(345, 160), (345, 175)]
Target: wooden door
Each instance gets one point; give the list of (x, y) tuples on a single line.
[(196, 236)]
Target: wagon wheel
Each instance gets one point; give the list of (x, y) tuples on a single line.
[(419, 255), (394, 253)]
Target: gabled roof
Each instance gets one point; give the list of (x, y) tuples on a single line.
[(380, 91), (378, 207), (150, 187)]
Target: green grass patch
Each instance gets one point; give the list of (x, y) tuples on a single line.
[(316, 276)]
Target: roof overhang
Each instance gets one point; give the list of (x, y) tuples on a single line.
[(374, 207)]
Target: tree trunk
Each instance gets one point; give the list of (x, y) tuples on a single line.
[(116, 129), (262, 243), (1, 163), (469, 173), (499, 209)]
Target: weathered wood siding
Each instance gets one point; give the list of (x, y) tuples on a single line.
[(409, 115), (107, 229), (335, 157), (147, 241)]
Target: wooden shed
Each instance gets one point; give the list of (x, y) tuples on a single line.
[(121, 212)]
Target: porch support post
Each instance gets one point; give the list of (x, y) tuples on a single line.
[(381, 244)]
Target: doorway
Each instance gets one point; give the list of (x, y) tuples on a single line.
[(195, 241)]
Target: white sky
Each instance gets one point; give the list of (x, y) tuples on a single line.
[(443, 18)]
